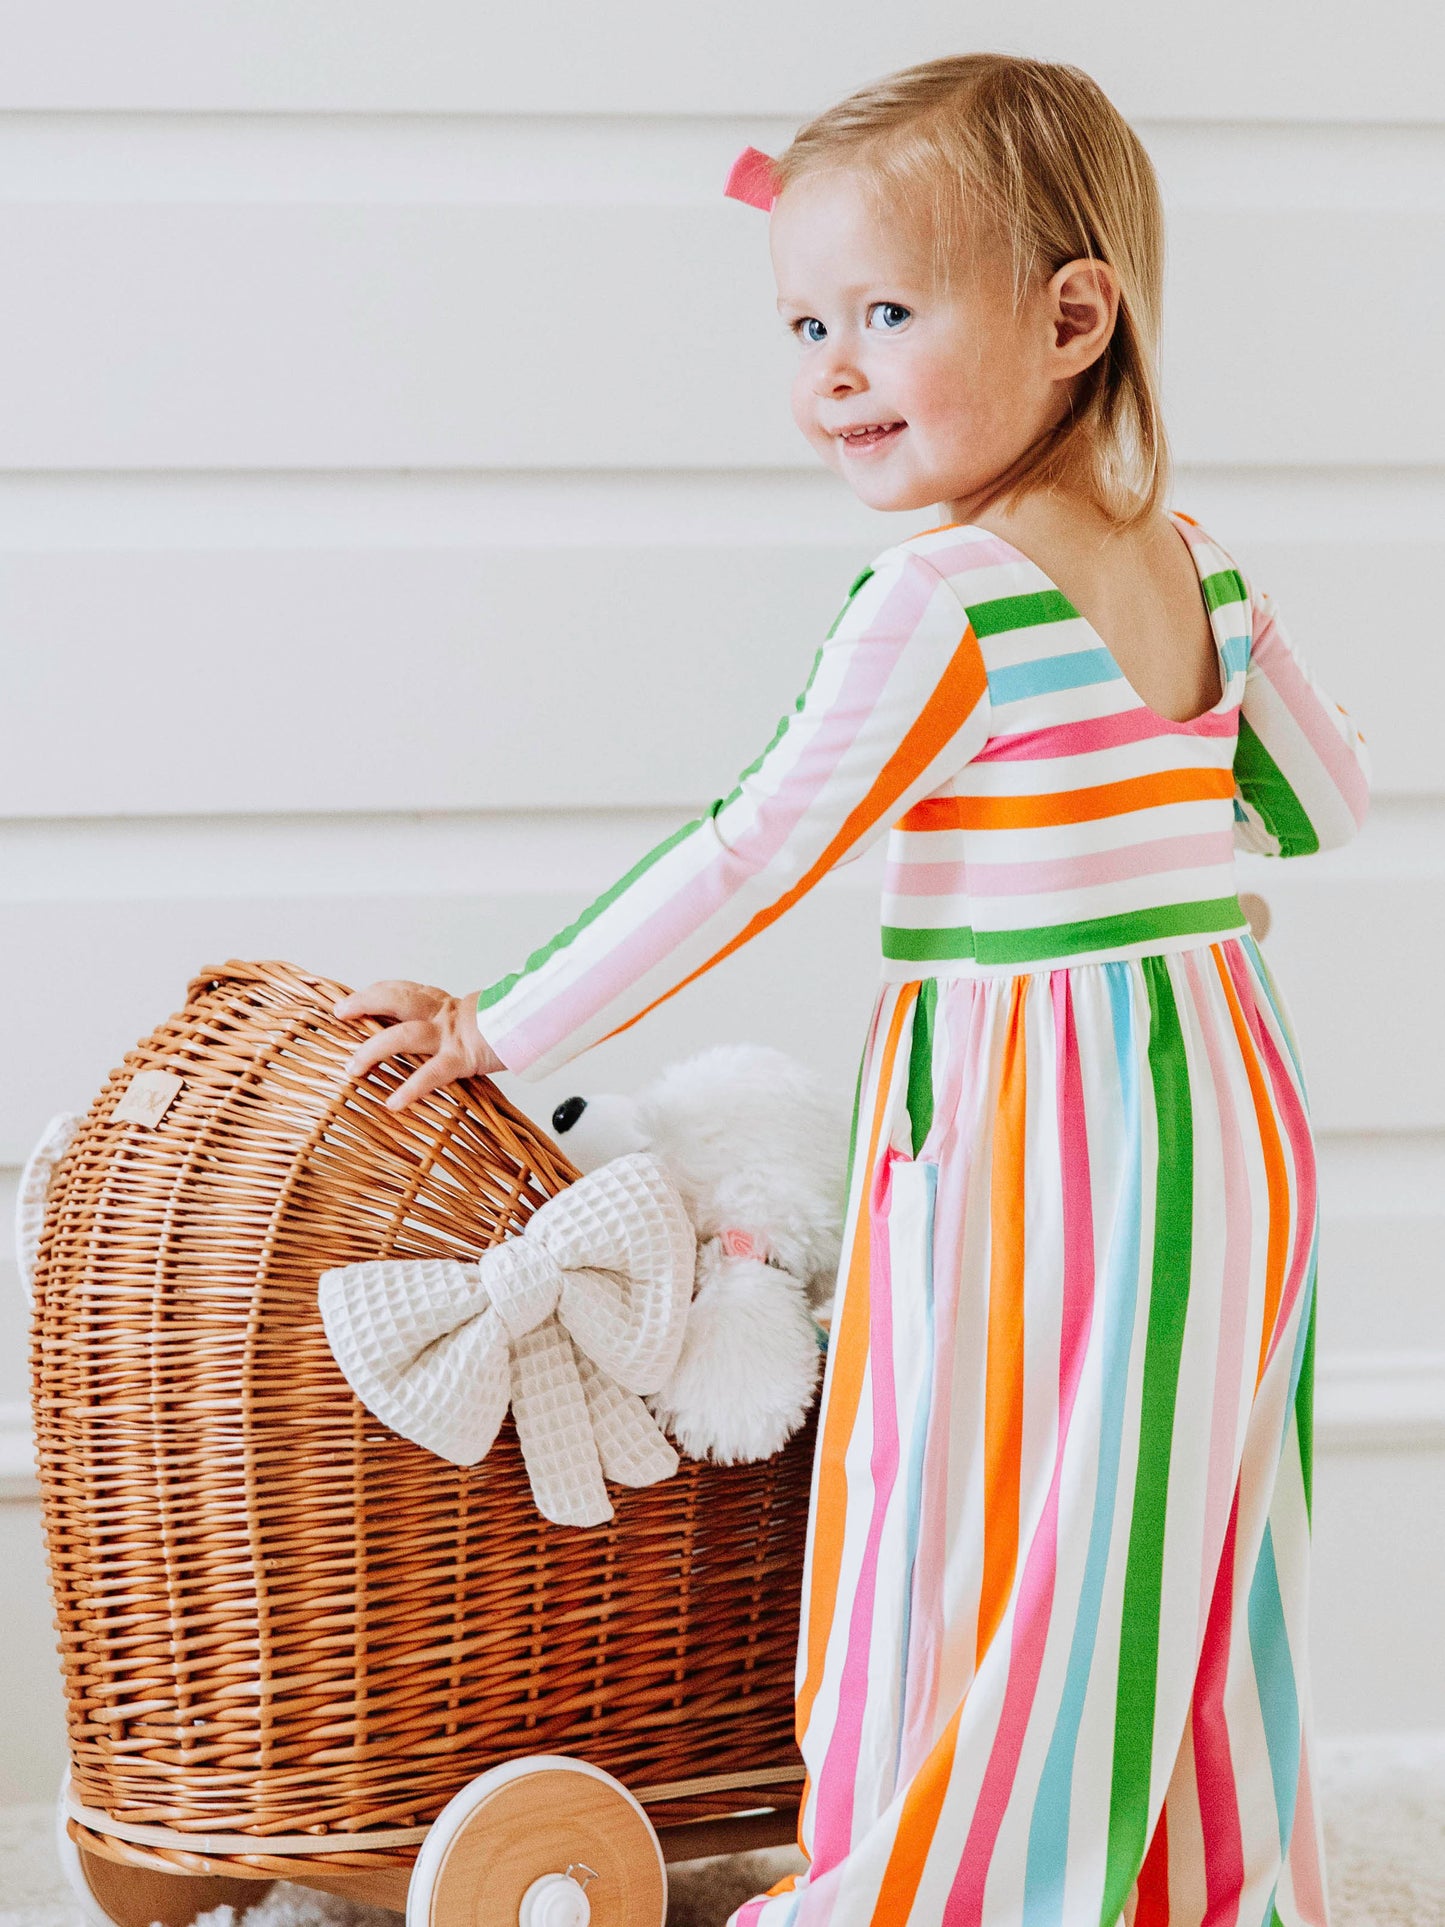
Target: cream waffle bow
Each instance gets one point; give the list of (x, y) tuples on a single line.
[(568, 1321)]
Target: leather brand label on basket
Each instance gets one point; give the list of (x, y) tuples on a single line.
[(148, 1097)]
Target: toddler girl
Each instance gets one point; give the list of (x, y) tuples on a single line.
[(1051, 1662)]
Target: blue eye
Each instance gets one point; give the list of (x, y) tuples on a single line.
[(805, 322)]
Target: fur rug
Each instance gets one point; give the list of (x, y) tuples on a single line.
[(1384, 1809)]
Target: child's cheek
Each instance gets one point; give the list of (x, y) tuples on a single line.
[(805, 414)]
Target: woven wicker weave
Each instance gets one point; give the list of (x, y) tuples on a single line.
[(277, 1617)]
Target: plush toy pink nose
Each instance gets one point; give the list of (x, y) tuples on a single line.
[(742, 1244)]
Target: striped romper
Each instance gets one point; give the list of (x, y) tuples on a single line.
[(1051, 1669)]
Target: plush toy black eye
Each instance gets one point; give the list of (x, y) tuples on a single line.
[(567, 1113)]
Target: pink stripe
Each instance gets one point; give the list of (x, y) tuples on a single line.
[(968, 1006), (1163, 854), (1229, 1380), (962, 558), (1034, 1606), (689, 907), (838, 1778), (748, 1914), (1213, 1768), (1270, 653), (1305, 1872), (1097, 733)]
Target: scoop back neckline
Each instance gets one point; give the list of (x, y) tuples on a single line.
[(1226, 677)]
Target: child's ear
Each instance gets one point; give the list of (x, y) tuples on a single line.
[(1083, 308)]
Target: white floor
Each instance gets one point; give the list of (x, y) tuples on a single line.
[(1384, 1806)]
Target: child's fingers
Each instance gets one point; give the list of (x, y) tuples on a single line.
[(391, 997), (417, 1038), (432, 1075)]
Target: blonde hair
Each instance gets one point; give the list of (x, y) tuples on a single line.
[(1035, 154)]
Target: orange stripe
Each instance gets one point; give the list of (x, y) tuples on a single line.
[(1069, 806), (1003, 1450), (958, 693), (1276, 1177), (1003, 1416), (850, 1339), (917, 1825)]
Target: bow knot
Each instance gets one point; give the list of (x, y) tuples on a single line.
[(524, 1283), (568, 1322)]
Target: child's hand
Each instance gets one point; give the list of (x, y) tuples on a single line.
[(433, 1025)]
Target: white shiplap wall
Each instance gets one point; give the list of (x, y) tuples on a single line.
[(401, 526)]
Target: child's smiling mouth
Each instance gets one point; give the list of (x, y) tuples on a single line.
[(869, 435)]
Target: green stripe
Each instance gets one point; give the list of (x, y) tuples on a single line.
[(920, 1062), (1263, 786), (495, 992), (1020, 612), (1304, 1412), (1226, 585), (858, 581), (1215, 914), (1163, 1347)]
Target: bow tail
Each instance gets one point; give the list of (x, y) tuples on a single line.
[(632, 1446), (553, 1429)]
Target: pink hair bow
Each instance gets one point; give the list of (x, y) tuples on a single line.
[(752, 179)]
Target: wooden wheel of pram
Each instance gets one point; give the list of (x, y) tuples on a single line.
[(541, 1842), (112, 1894)]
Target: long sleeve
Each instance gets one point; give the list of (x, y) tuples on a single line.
[(897, 701), (1301, 769)]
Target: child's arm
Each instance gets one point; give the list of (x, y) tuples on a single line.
[(897, 701), (1301, 769)]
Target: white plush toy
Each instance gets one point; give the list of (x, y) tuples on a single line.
[(758, 1147)]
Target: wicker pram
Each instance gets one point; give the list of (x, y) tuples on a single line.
[(290, 1638)]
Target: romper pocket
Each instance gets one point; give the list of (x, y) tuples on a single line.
[(905, 1208)]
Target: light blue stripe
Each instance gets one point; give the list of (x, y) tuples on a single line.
[(1274, 1682), (1074, 671), (1236, 654), (914, 1491), (1049, 1827)]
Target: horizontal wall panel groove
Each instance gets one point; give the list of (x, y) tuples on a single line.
[(331, 337), (537, 160), (215, 681), (1283, 61), (524, 852)]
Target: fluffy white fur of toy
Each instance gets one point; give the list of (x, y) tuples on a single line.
[(755, 1142), (749, 1364)]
